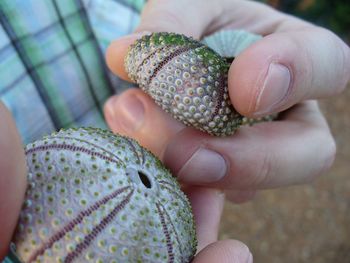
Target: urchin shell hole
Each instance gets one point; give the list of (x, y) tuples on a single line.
[(139, 177), (144, 179)]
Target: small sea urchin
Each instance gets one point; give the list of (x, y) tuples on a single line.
[(188, 79)]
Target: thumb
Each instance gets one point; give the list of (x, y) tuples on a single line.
[(286, 68)]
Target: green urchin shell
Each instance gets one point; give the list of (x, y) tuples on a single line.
[(186, 78), (98, 197)]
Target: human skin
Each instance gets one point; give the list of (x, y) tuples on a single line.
[(13, 174), (293, 150), (292, 66), (12, 178)]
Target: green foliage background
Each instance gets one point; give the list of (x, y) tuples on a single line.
[(334, 15)]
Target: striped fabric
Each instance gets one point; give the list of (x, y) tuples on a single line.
[(52, 69)]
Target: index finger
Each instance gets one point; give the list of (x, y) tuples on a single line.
[(296, 62), (192, 18)]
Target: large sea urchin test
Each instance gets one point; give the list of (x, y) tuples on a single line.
[(188, 79), (98, 197)]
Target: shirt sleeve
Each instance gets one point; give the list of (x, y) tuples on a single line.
[(53, 74)]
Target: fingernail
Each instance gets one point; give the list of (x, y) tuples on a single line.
[(126, 112), (205, 166), (250, 258), (274, 90)]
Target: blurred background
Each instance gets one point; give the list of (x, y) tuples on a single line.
[(334, 15), (308, 223)]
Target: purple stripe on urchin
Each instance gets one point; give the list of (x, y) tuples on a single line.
[(89, 143), (175, 232), (142, 154), (168, 183), (71, 148), (220, 98), (165, 61), (169, 244), (171, 188), (77, 220), (97, 230), (139, 67), (133, 149)]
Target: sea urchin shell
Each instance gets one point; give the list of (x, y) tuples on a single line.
[(230, 43), (98, 197), (186, 78)]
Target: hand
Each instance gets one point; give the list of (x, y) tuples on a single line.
[(294, 64), (13, 185), (12, 178)]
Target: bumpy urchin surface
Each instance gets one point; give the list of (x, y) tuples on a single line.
[(186, 78), (98, 197)]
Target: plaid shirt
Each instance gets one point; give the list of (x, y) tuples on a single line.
[(52, 70)]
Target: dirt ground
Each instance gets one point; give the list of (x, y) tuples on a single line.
[(308, 223)]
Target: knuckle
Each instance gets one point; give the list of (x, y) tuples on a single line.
[(330, 153), (264, 168), (257, 173), (326, 158), (341, 58)]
